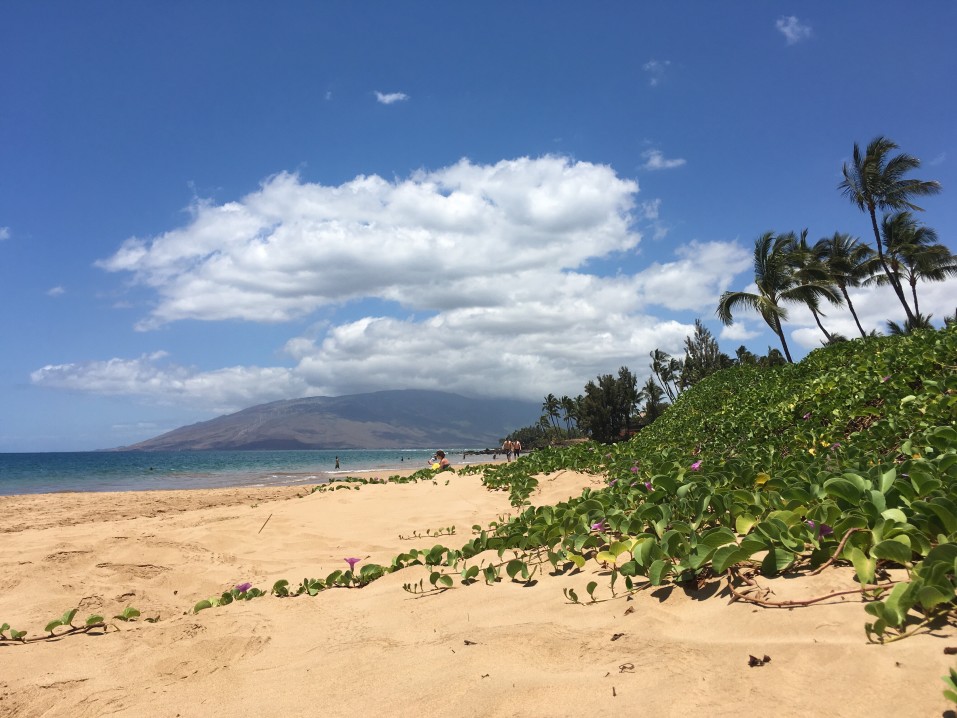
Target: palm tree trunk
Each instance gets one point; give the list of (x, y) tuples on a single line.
[(780, 332), (853, 313), (913, 289), (890, 275), (820, 326)]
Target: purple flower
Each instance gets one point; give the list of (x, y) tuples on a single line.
[(696, 465), (649, 486), (824, 530), (352, 562), (634, 469), (836, 445), (613, 482), (886, 378), (243, 587), (599, 526), (807, 416), (810, 523)]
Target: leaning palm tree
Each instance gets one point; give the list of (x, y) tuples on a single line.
[(849, 264), (551, 410), (807, 262), (777, 284), (876, 181), (914, 254)]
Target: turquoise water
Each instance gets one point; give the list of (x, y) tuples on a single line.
[(138, 471)]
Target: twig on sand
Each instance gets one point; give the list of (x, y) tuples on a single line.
[(837, 552), (264, 524), (737, 595)]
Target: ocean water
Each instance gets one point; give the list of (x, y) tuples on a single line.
[(139, 471)]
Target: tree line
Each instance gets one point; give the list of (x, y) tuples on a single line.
[(788, 269)]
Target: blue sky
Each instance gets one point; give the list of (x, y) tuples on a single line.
[(210, 205)]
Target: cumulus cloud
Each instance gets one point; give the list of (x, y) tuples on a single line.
[(656, 70), (435, 240), (655, 160), (794, 30), (481, 277), (4, 233), (389, 98), (151, 376), (55, 291)]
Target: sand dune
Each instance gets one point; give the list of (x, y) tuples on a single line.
[(502, 650)]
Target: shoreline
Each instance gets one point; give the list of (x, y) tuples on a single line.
[(191, 480)]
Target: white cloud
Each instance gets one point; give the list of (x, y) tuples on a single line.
[(388, 98), (656, 70), (794, 30), (938, 160), (696, 280), (55, 291), (4, 233), (429, 242), (150, 376), (737, 332), (651, 209), (655, 160), (479, 275)]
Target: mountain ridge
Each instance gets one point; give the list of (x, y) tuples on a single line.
[(389, 419)]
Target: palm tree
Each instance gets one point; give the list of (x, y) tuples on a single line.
[(875, 181), (550, 410), (920, 322), (777, 284), (849, 263), (807, 263), (567, 405), (653, 398), (660, 366), (914, 254)]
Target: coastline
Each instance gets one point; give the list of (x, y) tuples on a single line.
[(481, 650)]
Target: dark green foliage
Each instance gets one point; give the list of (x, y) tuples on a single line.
[(608, 405), (780, 464)]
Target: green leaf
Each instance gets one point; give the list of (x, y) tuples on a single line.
[(201, 606), (776, 561), (93, 619), (606, 557), (67, 619), (863, 565), (590, 588), (658, 570), (844, 490), (53, 624), (725, 557), (892, 550), (513, 567)]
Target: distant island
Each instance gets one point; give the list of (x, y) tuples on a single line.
[(378, 420)]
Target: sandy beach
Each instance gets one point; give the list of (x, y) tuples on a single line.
[(502, 650)]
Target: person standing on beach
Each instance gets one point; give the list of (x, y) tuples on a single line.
[(337, 462), (507, 448), (517, 448)]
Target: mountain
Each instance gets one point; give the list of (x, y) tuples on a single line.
[(379, 420)]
